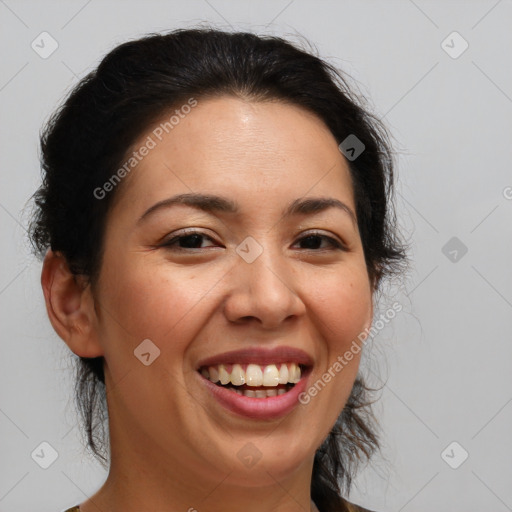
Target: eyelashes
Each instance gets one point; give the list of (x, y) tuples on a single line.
[(189, 238), (192, 241), (312, 237)]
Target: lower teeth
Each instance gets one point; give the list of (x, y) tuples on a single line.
[(260, 393)]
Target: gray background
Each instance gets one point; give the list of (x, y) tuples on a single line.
[(445, 359)]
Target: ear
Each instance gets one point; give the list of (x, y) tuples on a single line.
[(70, 306)]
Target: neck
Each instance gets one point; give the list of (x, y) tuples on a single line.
[(143, 476), (131, 493)]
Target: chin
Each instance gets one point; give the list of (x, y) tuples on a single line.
[(260, 462)]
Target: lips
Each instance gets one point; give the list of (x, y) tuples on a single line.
[(258, 383)]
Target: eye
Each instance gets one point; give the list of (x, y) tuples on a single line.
[(191, 239), (313, 241), (188, 240)]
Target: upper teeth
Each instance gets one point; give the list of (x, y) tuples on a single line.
[(254, 374)]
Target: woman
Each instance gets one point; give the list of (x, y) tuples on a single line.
[(215, 220)]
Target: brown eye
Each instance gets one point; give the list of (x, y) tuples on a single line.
[(190, 240), (314, 242)]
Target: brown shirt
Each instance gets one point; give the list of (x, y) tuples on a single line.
[(77, 509)]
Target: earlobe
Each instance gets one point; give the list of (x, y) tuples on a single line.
[(70, 306)]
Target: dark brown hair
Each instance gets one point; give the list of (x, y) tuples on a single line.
[(87, 138)]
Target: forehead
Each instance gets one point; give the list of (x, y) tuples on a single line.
[(227, 143)]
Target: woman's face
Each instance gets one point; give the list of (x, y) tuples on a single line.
[(248, 270)]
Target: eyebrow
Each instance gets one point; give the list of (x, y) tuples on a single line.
[(213, 204)]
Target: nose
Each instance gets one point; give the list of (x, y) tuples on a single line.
[(264, 292)]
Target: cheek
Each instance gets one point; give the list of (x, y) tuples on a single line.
[(343, 304), (156, 302)]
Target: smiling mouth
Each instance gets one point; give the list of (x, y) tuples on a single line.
[(254, 380)]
